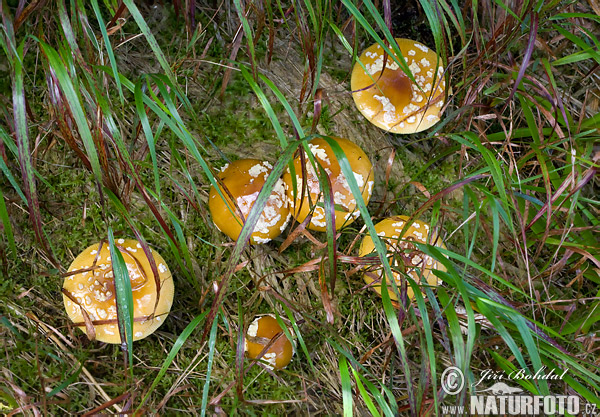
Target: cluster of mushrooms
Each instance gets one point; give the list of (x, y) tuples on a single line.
[(387, 97)]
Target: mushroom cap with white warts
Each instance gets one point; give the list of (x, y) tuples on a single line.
[(346, 210), (389, 99), (244, 179), (403, 254), (93, 290)]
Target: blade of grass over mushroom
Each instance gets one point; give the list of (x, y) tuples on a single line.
[(181, 339), (325, 186), (124, 298), (382, 253), (248, 228)]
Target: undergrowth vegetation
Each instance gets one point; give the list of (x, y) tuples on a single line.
[(116, 115)]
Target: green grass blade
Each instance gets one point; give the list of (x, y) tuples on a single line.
[(139, 19), (109, 50), (124, 298), (212, 341), (181, 339), (262, 98), (365, 395), (7, 228), (346, 387), (66, 383), (382, 253), (74, 101)]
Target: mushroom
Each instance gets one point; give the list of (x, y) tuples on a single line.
[(90, 291), (343, 199), (393, 102), (402, 253), (243, 180), (260, 333)]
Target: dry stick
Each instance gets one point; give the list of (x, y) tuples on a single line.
[(47, 332)]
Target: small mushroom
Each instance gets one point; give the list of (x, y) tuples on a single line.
[(393, 102), (260, 333), (89, 295), (244, 179), (403, 254), (343, 199)]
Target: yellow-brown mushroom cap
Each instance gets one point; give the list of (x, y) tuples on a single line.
[(260, 333), (403, 254), (393, 102), (345, 211), (244, 179), (94, 290)]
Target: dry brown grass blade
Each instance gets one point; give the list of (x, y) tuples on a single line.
[(111, 403), (90, 330), (585, 178), (237, 43), (325, 297), (595, 5), (296, 232)]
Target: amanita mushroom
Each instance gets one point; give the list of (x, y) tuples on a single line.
[(93, 290), (345, 203), (244, 179), (402, 253), (393, 102), (261, 331)]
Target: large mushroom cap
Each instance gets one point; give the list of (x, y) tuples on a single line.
[(402, 253), (244, 179), (94, 290), (345, 203), (393, 102), (261, 331)]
